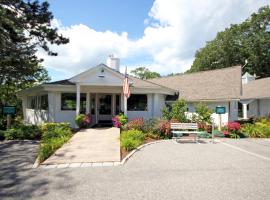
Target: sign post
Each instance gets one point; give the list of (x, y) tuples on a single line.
[(8, 111), (220, 110)]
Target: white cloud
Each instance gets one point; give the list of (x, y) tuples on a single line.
[(175, 30)]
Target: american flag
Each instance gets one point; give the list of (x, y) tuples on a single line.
[(126, 89)]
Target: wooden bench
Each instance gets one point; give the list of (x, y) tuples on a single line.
[(178, 129)]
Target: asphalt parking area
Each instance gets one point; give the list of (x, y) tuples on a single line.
[(161, 171)]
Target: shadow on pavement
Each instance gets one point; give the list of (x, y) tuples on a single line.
[(17, 179)]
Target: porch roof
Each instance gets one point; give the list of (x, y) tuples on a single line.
[(136, 83)]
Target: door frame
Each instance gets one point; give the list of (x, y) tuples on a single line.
[(104, 116)]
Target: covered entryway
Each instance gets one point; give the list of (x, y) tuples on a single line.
[(103, 106), (89, 146), (108, 105)]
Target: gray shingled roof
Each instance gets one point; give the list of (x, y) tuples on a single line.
[(220, 84), (61, 82), (257, 89)]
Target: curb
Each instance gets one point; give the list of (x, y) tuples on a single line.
[(138, 148), (94, 164), (36, 164), (79, 165)]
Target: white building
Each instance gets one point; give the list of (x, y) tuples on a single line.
[(99, 91), (256, 97)]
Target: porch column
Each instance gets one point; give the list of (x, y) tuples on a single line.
[(244, 106), (96, 107), (78, 98), (87, 103), (113, 104)]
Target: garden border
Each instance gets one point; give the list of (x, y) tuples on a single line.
[(140, 147), (106, 164)]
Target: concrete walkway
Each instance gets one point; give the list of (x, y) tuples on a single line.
[(97, 145)]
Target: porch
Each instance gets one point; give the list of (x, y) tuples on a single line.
[(101, 104)]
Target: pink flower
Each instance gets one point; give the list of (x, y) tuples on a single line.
[(226, 133), (233, 126)]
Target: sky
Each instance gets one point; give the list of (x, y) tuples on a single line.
[(162, 35)]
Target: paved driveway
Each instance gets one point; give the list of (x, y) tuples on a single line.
[(88, 146), (235, 169)]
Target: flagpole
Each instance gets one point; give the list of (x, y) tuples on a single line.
[(125, 105), (126, 91)]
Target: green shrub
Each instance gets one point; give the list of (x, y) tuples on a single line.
[(123, 119), (178, 110), (23, 132), (218, 133), (260, 129), (204, 134), (54, 135), (2, 135), (136, 124), (167, 113), (120, 120), (203, 113), (57, 132), (48, 147), (131, 139), (83, 120), (51, 126), (79, 120)]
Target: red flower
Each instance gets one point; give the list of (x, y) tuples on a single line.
[(233, 126), (226, 133)]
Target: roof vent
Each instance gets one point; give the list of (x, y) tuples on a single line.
[(113, 62)]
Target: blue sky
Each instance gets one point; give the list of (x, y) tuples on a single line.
[(102, 15), (162, 35)]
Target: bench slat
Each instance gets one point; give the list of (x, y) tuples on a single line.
[(184, 126)]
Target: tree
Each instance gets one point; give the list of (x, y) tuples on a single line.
[(24, 27), (173, 74), (179, 109), (144, 73), (249, 40)]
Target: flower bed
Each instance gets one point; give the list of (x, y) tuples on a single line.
[(54, 135)]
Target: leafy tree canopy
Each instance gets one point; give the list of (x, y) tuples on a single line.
[(144, 73), (249, 40), (25, 26)]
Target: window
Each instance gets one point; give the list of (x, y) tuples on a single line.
[(68, 102), (44, 102), (93, 104), (171, 98), (105, 104), (137, 102), (32, 102), (117, 104), (38, 102)]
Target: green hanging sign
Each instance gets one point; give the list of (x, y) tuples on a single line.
[(9, 110), (220, 110)]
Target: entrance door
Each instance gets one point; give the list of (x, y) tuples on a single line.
[(104, 107)]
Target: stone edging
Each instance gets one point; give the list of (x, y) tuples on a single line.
[(73, 165), (101, 164), (138, 148), (94, 164)]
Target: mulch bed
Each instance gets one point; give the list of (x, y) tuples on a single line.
[(124, 153)]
